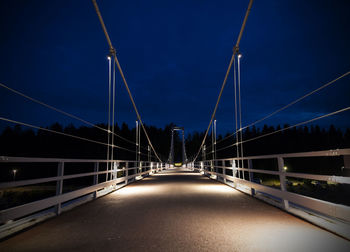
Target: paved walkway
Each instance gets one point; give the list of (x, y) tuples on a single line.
[(175, 211)]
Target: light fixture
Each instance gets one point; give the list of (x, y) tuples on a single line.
[(239, 55)]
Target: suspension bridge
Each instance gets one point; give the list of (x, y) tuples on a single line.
[(150, 205)]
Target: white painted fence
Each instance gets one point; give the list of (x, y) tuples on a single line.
[(54, 205), (292, 202)]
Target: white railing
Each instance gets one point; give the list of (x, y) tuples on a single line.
[(118, 174), (239, 173)]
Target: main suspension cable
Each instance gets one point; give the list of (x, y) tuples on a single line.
[(122, 74), (235, 50)]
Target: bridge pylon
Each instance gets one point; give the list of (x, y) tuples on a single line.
[(171, 153)]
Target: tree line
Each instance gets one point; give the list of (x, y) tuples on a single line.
[(18, 141)]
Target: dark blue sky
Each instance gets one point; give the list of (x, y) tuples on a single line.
[(174, 55)]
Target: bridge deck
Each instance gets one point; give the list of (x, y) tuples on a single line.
[(175, 211)]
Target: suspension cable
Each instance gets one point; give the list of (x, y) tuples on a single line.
[(298, 100), (286, 106), (62, 112), (62, 133), (289, 127), (122, 74), (235, 50), (226, 137)]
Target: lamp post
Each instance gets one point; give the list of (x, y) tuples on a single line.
[(137, 140), (240, 107), (109, 111)]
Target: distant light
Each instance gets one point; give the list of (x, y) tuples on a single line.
[(285, 168), (14, 171), (109, 57), (239, 55)]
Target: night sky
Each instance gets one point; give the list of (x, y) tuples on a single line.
[(174, 55)]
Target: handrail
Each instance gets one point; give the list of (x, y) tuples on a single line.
[(7, 159), (116, 177), (281, 197), (325, 153)]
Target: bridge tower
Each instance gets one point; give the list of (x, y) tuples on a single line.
[(171, 154)]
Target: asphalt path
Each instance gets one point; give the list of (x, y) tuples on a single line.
[(176, 210)]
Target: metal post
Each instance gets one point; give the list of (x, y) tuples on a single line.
[(251, 175), (212, 141), (240, 110), (184, 158), (171, 154), (59, 185), (203, 152), (137, 140), (234, 171), (113, 121), (139, 144), (95, 178), (126, 172), (116, 166), (282, 180), (109, 111), (215, 163), (236, 108), (250, 166)]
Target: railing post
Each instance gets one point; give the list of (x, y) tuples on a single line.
[(251, 175), (234, 172), (59, 185), (95, 179), (107, 169), (116, 167), (126, 172), (282, 180), (224, 170), (242, 171), (115, 171)]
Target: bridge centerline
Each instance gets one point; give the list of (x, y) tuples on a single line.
[(182, 211)]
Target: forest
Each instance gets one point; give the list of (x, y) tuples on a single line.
[(21, 142)]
